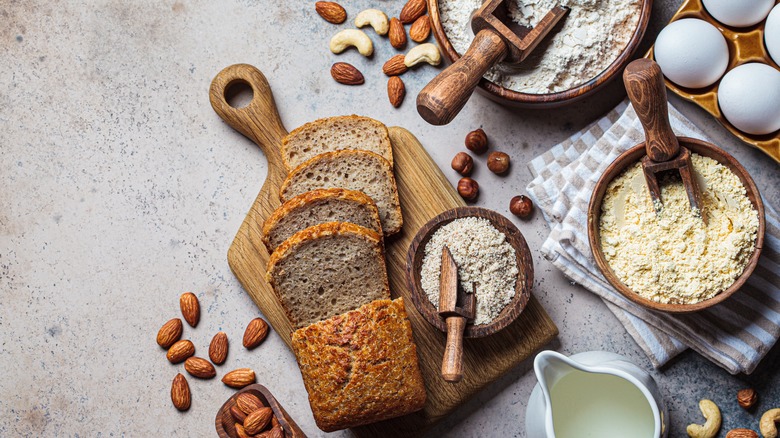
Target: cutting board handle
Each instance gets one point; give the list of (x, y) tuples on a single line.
[(259, 120)]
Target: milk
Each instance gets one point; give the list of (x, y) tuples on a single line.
[(599, 405)]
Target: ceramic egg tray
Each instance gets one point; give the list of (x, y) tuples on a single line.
[(745, 44)]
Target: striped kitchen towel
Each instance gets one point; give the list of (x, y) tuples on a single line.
[(735, 334)]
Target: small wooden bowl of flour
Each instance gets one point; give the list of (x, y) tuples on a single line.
[(492, 235), (591, 46), (597, 240)]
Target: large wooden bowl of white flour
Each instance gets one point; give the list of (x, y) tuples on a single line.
[(590, 47)]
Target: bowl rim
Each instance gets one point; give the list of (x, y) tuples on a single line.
[(548, 99), (630, 157), (523, 285)]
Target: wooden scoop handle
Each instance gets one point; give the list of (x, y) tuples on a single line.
[(452, 365), (443, 98), (259, 120), (645, 87)]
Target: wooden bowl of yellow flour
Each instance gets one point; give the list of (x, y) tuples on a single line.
[(673, 261)]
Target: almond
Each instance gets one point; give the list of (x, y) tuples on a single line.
[(346, 74), (412, 10), (395, 66), (229, 424), (742, 433), (180, 393), (397, 34), (218, 348), (169, 333), (190, 308), (258, 420), (237, 415), (199, 367), (274, 422), (396, 91), (180, 351), (276, 432), (247, 403), (239, 378), (420, 30), (256, 331), (241, 432), (332, 12)]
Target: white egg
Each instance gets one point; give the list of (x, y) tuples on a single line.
[(691, 53), (772, 34), (738, 13), (749, 97)]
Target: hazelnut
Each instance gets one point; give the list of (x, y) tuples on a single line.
[(477, 142), (747, 397), (521, 206), (498, 162), (462, 163), (468, 189)]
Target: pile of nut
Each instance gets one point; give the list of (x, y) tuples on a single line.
[(746, 398), (413, 13), (497, 162), (245, 415), (183, 350)]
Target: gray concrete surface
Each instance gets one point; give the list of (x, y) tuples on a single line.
[(121, 189)]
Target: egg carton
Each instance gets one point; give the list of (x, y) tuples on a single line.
[(745, 45)]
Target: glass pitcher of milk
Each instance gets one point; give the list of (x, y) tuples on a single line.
[(594, 394)]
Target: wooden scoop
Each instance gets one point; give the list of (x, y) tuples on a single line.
[(645, 87), (497, 38), (455, 316)]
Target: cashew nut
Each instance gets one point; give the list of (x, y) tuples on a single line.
[(423, 53), (376, 18), (349, 38), (710, 428), (767, 424)]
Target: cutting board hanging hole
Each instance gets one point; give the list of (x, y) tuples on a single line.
[(238, 94)]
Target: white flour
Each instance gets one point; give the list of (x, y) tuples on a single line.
[(593, 35), (674, 257), (484, 257)]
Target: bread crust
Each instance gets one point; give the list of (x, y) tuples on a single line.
[(315, 232), (316, 195), (326, 120), (337, 155), (360, 367)]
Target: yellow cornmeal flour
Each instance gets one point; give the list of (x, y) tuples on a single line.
[(674, 257)]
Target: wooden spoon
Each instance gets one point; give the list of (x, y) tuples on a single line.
[(497, 38), (645, 87), (455, 316)]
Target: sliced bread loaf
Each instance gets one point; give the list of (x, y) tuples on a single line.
[(333, 134), (316, 207), (328, 269), (362, 171), (360, 367)]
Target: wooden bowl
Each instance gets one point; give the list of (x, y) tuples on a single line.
[(291, 429), (552, 100), (525, 278), (632, 156), (745, 45)]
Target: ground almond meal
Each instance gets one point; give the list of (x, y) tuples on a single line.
[(592, 36), (483, 256), (674, 257)]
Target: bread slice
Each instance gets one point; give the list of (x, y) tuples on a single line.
[(333, 134), (362, 171), (328, 269), (360, 367), (316, 207)]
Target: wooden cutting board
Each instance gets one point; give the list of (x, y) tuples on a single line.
[(424, 192)]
